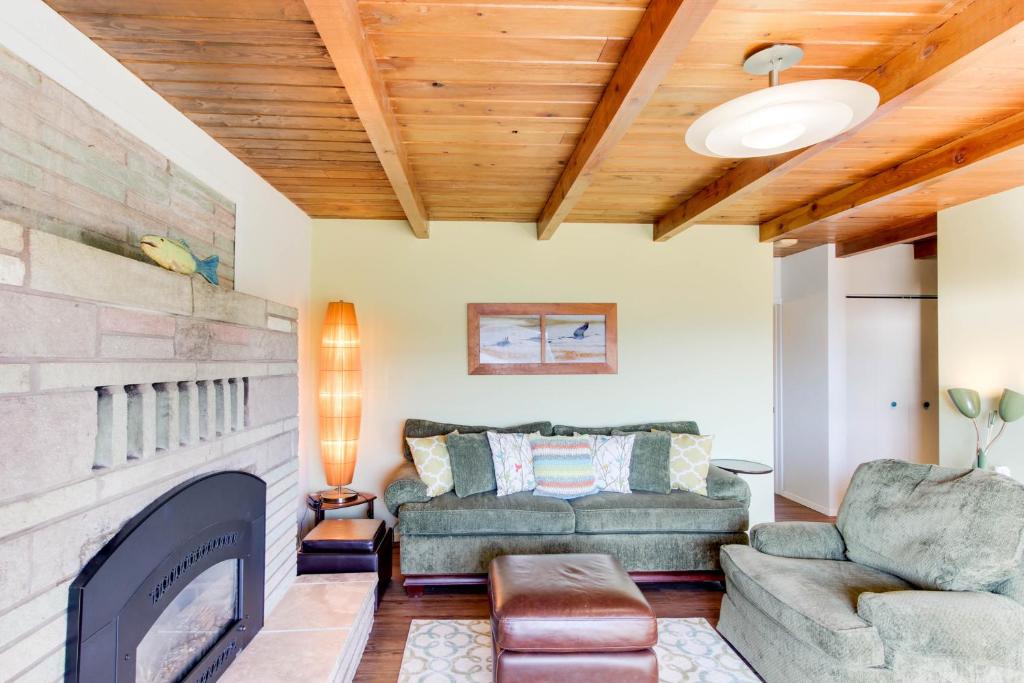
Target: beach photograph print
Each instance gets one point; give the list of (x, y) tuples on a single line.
[(575, 338), (508, 339)]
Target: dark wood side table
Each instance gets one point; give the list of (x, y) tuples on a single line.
[(742, 466), (320, 508)]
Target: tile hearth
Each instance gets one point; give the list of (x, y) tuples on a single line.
[(316, 634)]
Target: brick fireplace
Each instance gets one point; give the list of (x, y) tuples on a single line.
[(118, 381)]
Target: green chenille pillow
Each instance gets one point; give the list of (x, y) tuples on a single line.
[(677, 427), (472, 464), (416, 429), (649, 466)]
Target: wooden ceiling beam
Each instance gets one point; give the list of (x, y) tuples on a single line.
[(988, 143), (901, 234), (926, 248), (952, 47), (663, 33), (341, 29)]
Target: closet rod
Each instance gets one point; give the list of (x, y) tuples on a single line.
[(892, 296)]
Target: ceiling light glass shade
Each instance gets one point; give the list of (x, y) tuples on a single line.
[(782, 118), (1011, 406), (967, 401)]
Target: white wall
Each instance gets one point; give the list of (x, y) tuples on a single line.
[(826, 430), (272, 239), (695, 329), (981, 319), (805, 412)]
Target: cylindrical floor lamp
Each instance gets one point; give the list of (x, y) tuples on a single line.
[(341, 399)]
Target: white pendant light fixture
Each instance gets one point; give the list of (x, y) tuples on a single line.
[(781, 118)]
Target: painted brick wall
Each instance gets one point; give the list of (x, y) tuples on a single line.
[(68, 170), (94, 351)]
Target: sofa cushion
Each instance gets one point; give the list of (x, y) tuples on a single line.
[(938, 527), (472, 464), (815, 600), (648, 467), (642, 512), (949, 628), (677, 427), (418, 428), (486, 513)]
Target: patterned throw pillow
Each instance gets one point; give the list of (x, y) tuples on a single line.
[(563, 466), (689, 461), (430, 455), (513, 462), (612, 456)]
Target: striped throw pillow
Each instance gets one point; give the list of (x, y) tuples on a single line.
[(563, 466)]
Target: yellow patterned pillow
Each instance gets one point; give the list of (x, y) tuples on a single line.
[(688, 462), (430, 455)]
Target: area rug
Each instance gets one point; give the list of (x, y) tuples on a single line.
[(459, 651)]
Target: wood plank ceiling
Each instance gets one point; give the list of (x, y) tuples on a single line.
[(255, 75), (491, 98)]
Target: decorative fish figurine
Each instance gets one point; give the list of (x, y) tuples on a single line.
[(176, 256)]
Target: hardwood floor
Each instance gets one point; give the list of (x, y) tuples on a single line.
[(383, 656)]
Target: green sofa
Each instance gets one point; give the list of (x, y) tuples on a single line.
[(919, 579), (657, 536)]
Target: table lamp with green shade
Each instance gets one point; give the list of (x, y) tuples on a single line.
[(968, 402)]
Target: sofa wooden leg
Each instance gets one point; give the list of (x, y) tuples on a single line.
[(414, 591)]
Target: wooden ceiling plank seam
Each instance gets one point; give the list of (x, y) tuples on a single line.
[(341, 28), (983, 145), (879, 239), (663, 32), (936, 57), (274, 10)]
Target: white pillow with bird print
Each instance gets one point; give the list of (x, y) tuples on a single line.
[(612, 456), (513, 462), (433, 464)]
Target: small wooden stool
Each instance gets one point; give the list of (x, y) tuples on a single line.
[(346, 546)]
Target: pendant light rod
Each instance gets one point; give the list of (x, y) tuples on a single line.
[(773, 61)]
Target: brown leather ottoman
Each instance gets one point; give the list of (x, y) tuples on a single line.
[(569, 619)]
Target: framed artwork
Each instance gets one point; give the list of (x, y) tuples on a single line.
[(543, 339)]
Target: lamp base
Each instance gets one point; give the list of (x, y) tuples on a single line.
[(338, 494)]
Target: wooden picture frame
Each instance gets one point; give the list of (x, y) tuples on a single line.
[(543, 339)]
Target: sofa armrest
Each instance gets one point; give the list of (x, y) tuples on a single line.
[(982, 628), (726, 485), (405, 487), (800, 540)]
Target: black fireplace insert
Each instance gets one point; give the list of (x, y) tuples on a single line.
[(178, 592)]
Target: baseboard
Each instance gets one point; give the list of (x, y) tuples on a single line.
[(807, 503)]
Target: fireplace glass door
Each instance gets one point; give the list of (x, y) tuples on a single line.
[(190, 625)]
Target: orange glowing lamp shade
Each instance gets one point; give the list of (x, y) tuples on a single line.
[(341, 393)]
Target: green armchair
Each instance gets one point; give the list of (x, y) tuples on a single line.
[(919, 579)]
